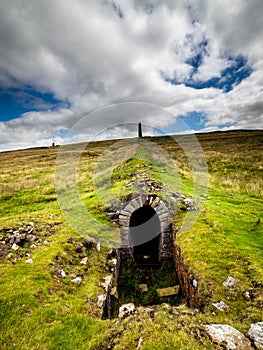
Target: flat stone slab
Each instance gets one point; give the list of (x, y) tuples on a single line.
[(221, 306), (169, 291), (143, 287), (223, 334)]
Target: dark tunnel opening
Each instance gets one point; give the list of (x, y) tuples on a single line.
[(145, 233)]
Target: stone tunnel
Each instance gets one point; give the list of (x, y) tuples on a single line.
[(148, 243), (145, 230)]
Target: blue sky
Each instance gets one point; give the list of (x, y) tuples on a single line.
[(200, 61), (15, 102), (237, 70)]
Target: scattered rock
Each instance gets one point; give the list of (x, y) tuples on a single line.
[(126, 310), (77, 280), (194, 283), (229, 282), (143, 287), (15, 247), (107, 282), (221, 306), (101, 299), (111, 264), (150, 312), (246, 295), (63, 274), (256, 334), (84, 261), (29, 261), (223, 334), (12, 239), (30, 238), (186, 204)]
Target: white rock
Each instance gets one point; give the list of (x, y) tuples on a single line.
[(15, 247), (221, 306), (188, 201), (77, 280), (224, 334), (229, 282), (84, 261), (101, 299), (107, 282), (126, 310), (195, 283), (114, 261), (256, 332), (63, 274), (29, 261), (98, 246)]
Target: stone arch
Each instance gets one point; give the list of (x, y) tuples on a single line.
[(153, 202)]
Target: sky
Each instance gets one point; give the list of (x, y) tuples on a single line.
[(112, 63)]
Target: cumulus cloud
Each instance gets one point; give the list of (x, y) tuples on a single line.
[(90, 54)]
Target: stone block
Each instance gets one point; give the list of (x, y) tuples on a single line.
[(169, 291)]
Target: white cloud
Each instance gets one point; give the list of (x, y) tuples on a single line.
[(83, 52)]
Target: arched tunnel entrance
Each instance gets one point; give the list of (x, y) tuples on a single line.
[(144, 235), (149, 268)]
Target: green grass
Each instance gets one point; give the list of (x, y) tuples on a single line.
[(39, 310)]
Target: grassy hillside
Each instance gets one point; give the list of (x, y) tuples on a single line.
[(42, 309)]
